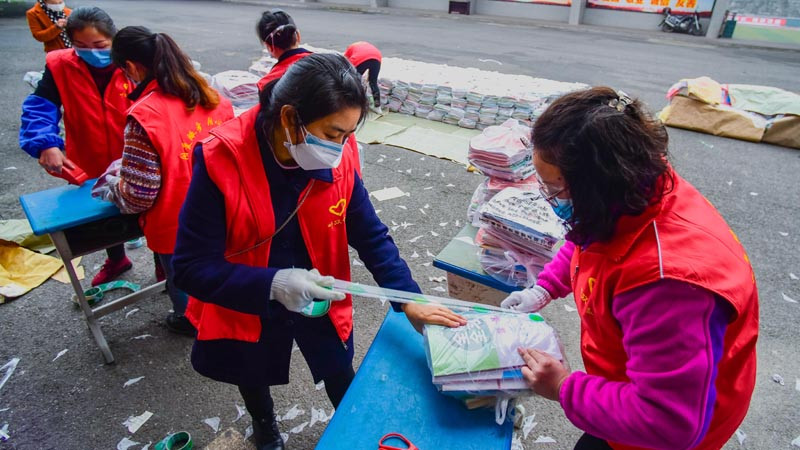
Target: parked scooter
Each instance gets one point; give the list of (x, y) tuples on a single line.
[(689, 23)]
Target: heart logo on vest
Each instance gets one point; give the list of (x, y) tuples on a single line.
[(339, 208)]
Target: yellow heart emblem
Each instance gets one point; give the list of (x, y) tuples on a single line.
[(338, 208)]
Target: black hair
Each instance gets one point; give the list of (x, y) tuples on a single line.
[(166, 63), (612, 157), (90, 16), (277, 28), (315, 86)]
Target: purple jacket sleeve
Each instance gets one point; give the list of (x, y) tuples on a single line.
[(555, 276), (673, 334)]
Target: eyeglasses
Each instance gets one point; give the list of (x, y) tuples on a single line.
[(548, 197)]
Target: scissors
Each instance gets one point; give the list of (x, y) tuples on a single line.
[(382, 446)]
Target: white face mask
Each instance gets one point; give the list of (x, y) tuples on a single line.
[(57, 7), (314, 153)]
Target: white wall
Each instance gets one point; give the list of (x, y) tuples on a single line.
[(430, 5), (554, 13)]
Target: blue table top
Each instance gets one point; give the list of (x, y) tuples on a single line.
[(64, 207), (460, 257), (393, 392)]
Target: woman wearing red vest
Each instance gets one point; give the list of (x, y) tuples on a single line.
[(174, 108), (279, 34), (367, 58), (665, 292), (275, 201), (94, 97)]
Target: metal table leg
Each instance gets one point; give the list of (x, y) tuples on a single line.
[(64, 251)]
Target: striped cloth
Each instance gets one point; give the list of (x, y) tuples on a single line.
[(140, 176)]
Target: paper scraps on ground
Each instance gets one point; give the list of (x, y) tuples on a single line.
[(570, 308), (132, 381), (796, 442), (292, 413), (544, 440), (60, 354), (528, 424), (22, 270), (788, 299), (516, 442), (783, 233), (131, 312), (793, 276), (19, 232), (319, 416), (62, 277), (133, 423), (4, 433), (9, 367), (778, 379), (299, 428), (285, 437), (415, 239), (741, 436), (797, 384), (319, 385), (143, 336), (357, 262), (212, 422), (388, 194), (438, 279), (126, 443), (239, 412), (249, 432)]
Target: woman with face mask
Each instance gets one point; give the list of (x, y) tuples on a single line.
[(279, 35), (94, 96), (275, 200), (665, 292), (48, 22), (174, 108)]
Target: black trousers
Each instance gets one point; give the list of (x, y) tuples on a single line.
[(116, 252), (374, 67), (589, 442), (259, 404)]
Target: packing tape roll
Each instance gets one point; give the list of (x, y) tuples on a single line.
[(181, 440), (96, 294)]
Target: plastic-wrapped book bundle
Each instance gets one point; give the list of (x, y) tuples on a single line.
[(480, 360)]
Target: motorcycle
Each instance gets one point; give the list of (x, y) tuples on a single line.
[(689, 23)]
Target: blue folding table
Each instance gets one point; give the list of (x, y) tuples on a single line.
[(466, 279), (393, 392), (80, 224)]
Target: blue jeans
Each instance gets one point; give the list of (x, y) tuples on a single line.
[(178, 297)]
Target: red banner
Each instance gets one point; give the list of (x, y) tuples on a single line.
[(761, 21), (703, 7)]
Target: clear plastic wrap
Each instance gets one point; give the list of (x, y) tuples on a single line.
[(480, 359), (512, 267), (238, 86), (502, 151)]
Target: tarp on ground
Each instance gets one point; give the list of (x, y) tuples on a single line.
[(747, 112)]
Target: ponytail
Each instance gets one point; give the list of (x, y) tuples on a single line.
[(166, 63), (277, 29)]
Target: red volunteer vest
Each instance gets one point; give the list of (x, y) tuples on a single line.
[(681, 238), (361, 51), (235, 166), (93, 125), (173, 131), (279, 69)]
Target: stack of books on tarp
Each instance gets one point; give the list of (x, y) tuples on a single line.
[(480, 359)]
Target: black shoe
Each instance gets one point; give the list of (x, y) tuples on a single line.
[(180, 325), (267, 435)]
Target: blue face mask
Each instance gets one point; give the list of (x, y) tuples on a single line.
[(564, 208), (95, 57)]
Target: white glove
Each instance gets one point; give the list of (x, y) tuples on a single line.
[(527, 300), (297, 288)]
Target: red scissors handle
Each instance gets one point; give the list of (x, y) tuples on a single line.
[(382, 446)]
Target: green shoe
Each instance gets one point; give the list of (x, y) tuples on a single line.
[(181, 440)]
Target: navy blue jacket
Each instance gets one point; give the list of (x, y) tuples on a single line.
[(202, 271)]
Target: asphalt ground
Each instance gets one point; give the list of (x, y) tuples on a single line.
[(76, 402)]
